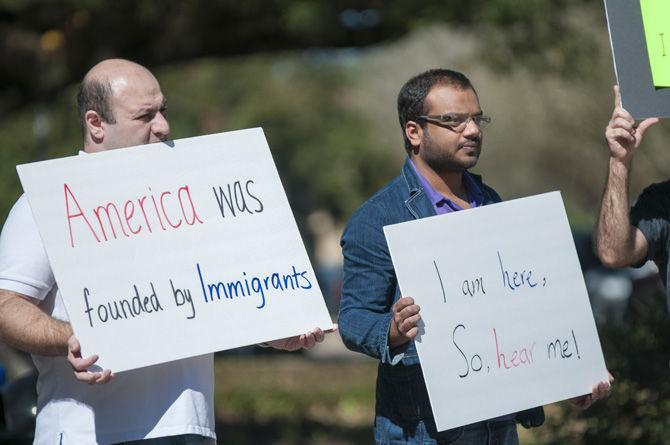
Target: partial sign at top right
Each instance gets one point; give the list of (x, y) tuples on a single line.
[(640, 38), (656, 23)]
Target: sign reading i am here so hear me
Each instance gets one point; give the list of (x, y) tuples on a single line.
[(162, 253), (506, 321)]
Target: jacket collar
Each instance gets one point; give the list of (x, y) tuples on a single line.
[(418, 203)]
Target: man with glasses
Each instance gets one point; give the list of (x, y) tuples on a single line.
[(442, 125)]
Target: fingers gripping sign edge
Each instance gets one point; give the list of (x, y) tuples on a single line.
[(406, 317), (80, 365)]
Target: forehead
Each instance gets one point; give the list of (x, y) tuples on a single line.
[(443, 99), (136, 92)]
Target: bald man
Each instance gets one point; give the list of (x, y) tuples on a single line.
[(120, 104)]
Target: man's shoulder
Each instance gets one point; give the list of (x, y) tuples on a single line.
[(387, 205), (21, 203), (655, 195), (24, 265), (490, 195), (20, 215), (658, 187)]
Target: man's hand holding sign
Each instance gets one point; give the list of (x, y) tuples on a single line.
[(619, 243), (405, 327), (510, 319), (491, 299), (146, 262), (179, 251)]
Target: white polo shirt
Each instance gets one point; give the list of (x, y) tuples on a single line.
[(162, 400)]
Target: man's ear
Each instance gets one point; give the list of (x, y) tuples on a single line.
[(414, 134), (94, 127)]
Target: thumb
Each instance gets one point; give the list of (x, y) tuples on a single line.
[(644, 126), (73, 344)]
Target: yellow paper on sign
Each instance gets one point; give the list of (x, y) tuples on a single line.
[(656, 24)]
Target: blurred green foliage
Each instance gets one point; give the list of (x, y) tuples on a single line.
[(291, 399), (48, 44), (327, 148), (324, 147), (320, 145)]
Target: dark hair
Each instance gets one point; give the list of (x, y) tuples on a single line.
[(412, 95), (95, 95)]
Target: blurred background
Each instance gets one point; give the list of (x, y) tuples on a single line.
[(321, 78)]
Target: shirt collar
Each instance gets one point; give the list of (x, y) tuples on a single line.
[(475, 195)]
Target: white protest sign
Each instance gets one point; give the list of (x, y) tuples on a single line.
[(506, 321), (162, 253)]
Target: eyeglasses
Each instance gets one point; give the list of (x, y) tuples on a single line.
[(457, 121)]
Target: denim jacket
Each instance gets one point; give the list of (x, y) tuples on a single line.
[(370, 289)]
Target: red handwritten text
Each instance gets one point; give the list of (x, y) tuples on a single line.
[(523, 356), (144, 213)]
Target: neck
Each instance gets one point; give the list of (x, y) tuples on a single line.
[(448, 183), (92, 147)]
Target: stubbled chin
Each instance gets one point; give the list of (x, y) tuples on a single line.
[(471, 161)]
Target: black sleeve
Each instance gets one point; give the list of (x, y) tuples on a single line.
[(650, 214)]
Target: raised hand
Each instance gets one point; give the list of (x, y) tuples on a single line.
[(623, 137)]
